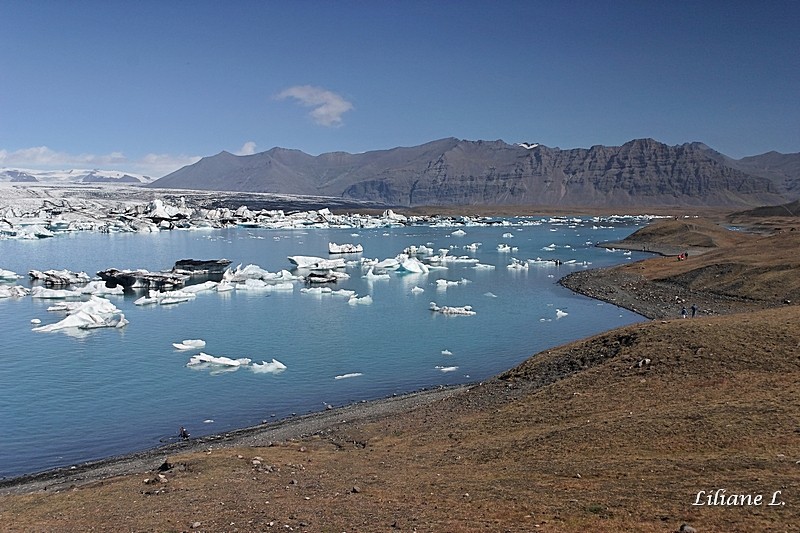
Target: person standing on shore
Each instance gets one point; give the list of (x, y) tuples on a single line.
[(694, 310), (683, 312)]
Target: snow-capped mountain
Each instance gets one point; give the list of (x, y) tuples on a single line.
[(18, 175)]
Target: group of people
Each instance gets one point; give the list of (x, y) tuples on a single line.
[(685, 313)]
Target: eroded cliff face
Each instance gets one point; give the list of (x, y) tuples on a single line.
[(457, 172), (642, 172)]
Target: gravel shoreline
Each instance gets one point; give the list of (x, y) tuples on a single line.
[(65, 478)]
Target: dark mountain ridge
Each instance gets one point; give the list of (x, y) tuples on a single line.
[(458, 172)]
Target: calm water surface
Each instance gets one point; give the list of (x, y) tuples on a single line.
[(67, 398)]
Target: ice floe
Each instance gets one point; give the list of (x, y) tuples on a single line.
[(268, 367), (8, 275), (93, 313), (363, 300), (442, 284), (13, 291), (59, 278), (560, 313), (446, 368), (190, 344), (449, 310), (204, 358), (54, 294), (347, 376), (165, 298), (334, 248)]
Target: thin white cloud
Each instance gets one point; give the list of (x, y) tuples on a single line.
[(44, 158), (248, 148), (158, 165), (328, 106)]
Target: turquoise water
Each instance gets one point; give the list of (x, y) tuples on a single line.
[(66, 398)]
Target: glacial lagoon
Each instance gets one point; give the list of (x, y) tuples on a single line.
[(69, 397)]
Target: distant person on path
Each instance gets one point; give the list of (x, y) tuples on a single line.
[(683, 312), (183, 434), (694, 310)]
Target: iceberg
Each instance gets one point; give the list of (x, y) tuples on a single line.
[(334, 248), (94, 313), (350, 375), (308, 261), (364, 300), (53, 294), (190, 344), (165, 298), (372, 276), (446, 368), (99, 288), (447, 310), (271, 367), (201, 287), (459, 233), (442, 284), (560, 313), (417, 290), (412, 265), (8, 275), (142, 278), (201, 358), (516, 264), (13, 291), (59, 278)]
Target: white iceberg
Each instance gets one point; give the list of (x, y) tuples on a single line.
[(190, 344), (372, 276), (446, 368), (165, 298), (334, 248), (53, 294), (98, 288), (448, 310), (308, 261), (94, 313), (364, 300), (413, 266), (459, 233), (13, 291), (201, 287), (560, 313), (347, 376), (201, 358), (516, 264), (8, 275), (417, 290), (271, 367)]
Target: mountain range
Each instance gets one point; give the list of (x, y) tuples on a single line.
[(460, 172), (16, 175)]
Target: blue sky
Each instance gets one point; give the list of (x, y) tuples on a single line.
[(150, 86)]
